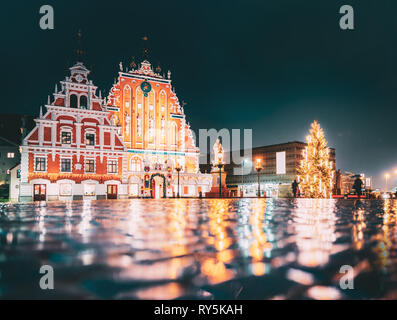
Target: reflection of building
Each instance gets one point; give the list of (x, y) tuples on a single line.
[(74, 152), (280, 163), (153, 127)]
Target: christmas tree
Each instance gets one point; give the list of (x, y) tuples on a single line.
[(316, 173)]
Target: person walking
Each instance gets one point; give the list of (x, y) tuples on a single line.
[(357, 186), (294, 188)]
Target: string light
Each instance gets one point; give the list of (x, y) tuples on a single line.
[(316, 164)]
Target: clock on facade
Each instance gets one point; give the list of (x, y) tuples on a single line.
[(146, 88)]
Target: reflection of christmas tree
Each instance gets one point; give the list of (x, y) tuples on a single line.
[(316, 173)]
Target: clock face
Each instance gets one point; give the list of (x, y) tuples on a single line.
[(79, 78), (146, 87)]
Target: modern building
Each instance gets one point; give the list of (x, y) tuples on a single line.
[(74, 151), (279, 164), (157, 136)]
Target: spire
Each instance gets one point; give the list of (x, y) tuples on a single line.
[(48, 100), (145, 50), (133, 64), (56, 88), (158, 68), (23, 128), (41, 112), (79, 50)]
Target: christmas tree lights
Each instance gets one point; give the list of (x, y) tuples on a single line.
[(316, 173)]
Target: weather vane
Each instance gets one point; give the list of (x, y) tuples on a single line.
[(79, 51), (133, 64), (145, 50), (158, 68)]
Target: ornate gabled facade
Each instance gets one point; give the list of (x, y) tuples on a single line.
[(74, 151), (153, 127)]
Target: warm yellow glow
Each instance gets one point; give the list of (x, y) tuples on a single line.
[(387, 176), (316, 166)]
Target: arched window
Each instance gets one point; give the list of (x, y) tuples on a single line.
[(136, 164), (127, 96), (73, 101), (163, 100), (174, 132), (83, 102)]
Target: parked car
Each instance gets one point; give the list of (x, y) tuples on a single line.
[(387, 195)]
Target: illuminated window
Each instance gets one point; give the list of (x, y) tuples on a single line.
[(127, 96), (89, 166), (163, 100), (40, 164), (136, 164), (112, 166), (138, 125), (66, 165), (89, 189), (173, 133), (90, 139), (66, 137), (10, 155)]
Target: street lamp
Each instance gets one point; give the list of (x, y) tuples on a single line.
[(220, 165), (242, 176), (258, 169), (387, 176), (178, 168)]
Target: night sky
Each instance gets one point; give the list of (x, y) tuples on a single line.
[(273, 66)]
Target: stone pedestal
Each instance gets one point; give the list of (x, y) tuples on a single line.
[(214, 192)]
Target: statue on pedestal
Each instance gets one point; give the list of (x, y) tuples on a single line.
[(219, 187), (218, 153)]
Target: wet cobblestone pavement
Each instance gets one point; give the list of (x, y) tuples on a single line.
[(199, 249)]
